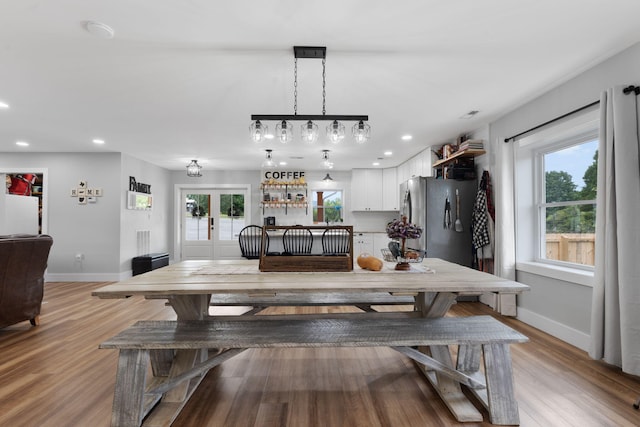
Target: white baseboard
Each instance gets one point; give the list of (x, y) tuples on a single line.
[(86, 277), (565, 333)]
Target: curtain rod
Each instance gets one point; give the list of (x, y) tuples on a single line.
[(511, 138), (627, 90)]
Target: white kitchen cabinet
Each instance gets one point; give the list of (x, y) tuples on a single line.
[(362, 243), (415, 166), (366, 190), (370, 243), (380, 241), (403, 172), (390, 201), (427, 161)]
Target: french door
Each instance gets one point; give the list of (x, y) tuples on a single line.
[(211, 221)]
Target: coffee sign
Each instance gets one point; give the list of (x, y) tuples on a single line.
[(283, 175)]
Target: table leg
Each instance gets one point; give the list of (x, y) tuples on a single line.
[(190, 307), (432, 304)]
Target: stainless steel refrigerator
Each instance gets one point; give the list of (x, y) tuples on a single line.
[(424, 202)]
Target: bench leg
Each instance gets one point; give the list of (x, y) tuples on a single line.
[(128, 400), (161, 362), (502, 404), (184, 360), (449, 390)]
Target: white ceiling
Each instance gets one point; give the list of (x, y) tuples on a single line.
[(180, 79)]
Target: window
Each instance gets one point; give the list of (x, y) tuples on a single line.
[(567, 204), (327, 206), (555, 183)]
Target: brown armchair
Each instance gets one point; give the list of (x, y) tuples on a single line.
[(23, 259)]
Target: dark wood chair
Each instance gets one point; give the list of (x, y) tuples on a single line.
[(250, 241), (336, 241), (297, 241)]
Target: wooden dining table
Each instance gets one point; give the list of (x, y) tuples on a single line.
[(434, 283)]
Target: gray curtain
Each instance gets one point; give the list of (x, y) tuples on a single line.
[(615, 321)]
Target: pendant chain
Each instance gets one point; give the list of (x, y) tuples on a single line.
[(295, 87), (324, 86)]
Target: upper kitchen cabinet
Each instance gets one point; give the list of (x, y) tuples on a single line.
[(418, 165), (366, 189), (374, 190), (390, 185)]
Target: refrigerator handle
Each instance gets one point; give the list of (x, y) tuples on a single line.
[(407, 205)]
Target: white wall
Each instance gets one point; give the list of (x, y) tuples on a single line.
[(102, 232), (158, 221), (562, 308), (78, 229)]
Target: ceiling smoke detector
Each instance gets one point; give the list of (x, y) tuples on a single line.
[(99, 29)]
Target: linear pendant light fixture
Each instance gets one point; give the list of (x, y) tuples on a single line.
[(361, 130)]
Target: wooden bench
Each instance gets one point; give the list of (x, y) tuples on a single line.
[(480, 338)]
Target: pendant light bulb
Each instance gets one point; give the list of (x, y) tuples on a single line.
[(326, 163), (258, 131), (284, 131), (309, 132), (268, 162), (361, 132), (335, 131)]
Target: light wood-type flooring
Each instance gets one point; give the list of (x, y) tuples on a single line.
[(55, 375)]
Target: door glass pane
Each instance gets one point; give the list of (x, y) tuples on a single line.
[(231, 217), (197, 217)]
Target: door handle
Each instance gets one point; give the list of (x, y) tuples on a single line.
[(211, 222)]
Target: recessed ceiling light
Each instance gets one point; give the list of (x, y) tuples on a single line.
[(283, 163), (98, 141), (407, 137), (22, 143), (376, 163), (4, 105), (388, 153), (99, 29)]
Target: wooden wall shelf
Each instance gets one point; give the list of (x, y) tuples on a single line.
[(458, 155)]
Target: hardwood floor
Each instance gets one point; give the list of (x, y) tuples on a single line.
[(55, 375)]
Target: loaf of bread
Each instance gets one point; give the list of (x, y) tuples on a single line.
[(369, 262)]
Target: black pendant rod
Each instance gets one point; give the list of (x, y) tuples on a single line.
[(511, 138), (307, 117)]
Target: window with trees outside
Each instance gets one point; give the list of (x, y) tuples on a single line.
[(327, 206), (567, 201)]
